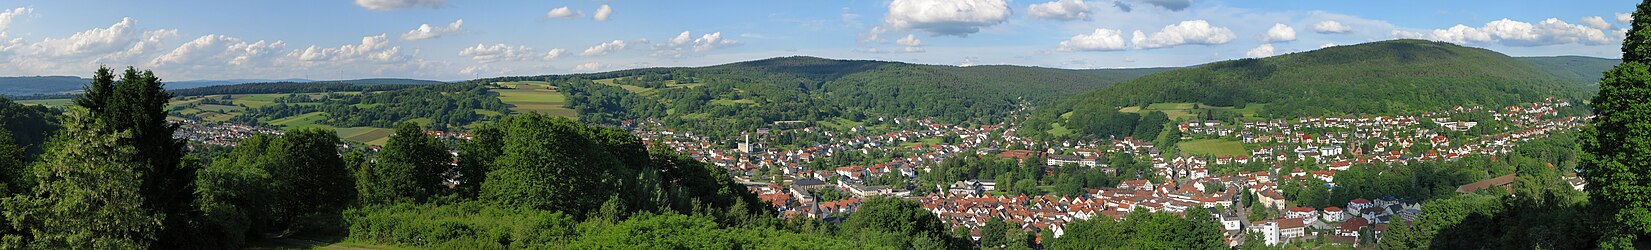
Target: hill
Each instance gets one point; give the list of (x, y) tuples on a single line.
[(1379, 77), (1579, 69), (752, 94)]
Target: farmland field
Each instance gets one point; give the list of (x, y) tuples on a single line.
[(1212, 147), (534, 96)]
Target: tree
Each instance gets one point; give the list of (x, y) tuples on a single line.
[(548, 164), (1617, 142), (475, 157), (903, 218), (308, 177), (1203, 232), (993, 234), (89, 193), (409, 168), (13, 174), (137, 105)]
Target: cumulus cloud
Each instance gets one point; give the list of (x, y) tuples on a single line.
[(1625, 18), (590, 66), (680, 39), (1596, 22), (1331, 26), (1515, 33), (216, 49), (602, 13), (425, 31), (1265, 50), (1186, 32), (399, 4), (375, 49), (1279, 33), (911, 42), (498, 52), (562, 13), (554, 53), (946, 17), (1065, 10), (604, 48), (151, 41), (1327, 45), (1100, 40), (7, 15), (94, 41), (711, 41), (874, 35)]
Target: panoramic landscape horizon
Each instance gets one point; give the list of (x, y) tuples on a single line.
[(891, 124)]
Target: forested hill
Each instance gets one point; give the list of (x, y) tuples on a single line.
[(755, 93), (1582, 70), (1378, 77)]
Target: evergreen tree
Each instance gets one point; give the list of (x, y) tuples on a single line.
[(137, 105), (89, 194), (1617, 142)]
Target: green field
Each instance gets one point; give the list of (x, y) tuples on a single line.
[(307, 120), (1185, 110), (47, 102), (1059, 130), (369, 135), (534, 96), (1212, 147)]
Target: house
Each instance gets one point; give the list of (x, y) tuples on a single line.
[(1334, 214), (1062, 160), (1504, 182), (1351, 227), (1306, 214), (1275, 232), (1359, 204)]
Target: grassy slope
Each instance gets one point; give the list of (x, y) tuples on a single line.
[(1379, 77), (534, 97)]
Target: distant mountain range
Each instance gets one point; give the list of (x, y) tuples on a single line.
[(36, 85), (1397, 76)]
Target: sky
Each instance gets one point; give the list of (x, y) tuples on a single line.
[(467, 39)]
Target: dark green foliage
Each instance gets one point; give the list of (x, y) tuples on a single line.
[(466, 225), (1579, 70), (408, 169), (1400, 76), (287, 88), (904, 219), (476, 158), (1102, 121), (1617, 142), (30, 125), (1144, 230), (446, 105), (137, 105), (548, 163), (89, 194)]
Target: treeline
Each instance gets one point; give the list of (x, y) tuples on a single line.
[(447, 106), (287, 88)]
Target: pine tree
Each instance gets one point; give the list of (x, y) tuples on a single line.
[(1617, 142), (89, 194)]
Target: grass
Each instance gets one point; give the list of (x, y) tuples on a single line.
[(924, 141), (254, 100), (307, 120), (534, 96), (733, 102), (1186, 111), (1058, 130), (839, 123), (369, 135), (48, 102), (1212, 147)]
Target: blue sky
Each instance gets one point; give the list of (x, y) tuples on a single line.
[(462, 39)]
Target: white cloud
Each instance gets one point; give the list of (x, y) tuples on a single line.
[(399, 4), (1327, 45), (1515, 33), (425, 31), (602, 13), (8, 15), (562, 13), (1186, 32), (1065, 10), (1265, 50), (374, 49), (946, 17), (554, 53), (1279, 33), (1625, 18), (1100, 40), (498, 52), (604, 48), (151, 41), (1331, 26), (680, 39), (213, 49), (874, 35), (91, 42), (711, 41), (909, 41), (1596, 22), (590, 66)]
